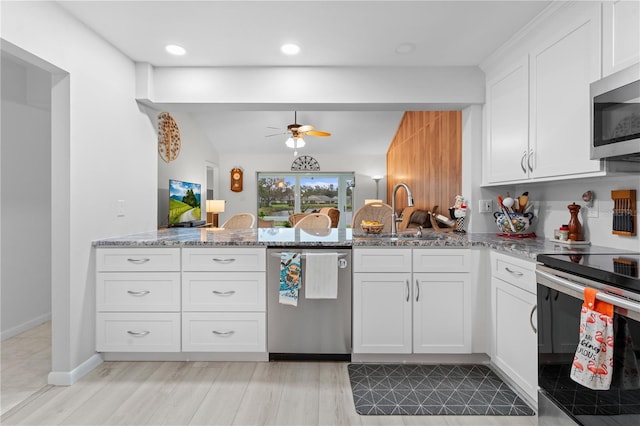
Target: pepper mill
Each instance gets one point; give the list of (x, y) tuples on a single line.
[(575, 228)]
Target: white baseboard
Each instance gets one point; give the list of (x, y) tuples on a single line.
[(28, 325), (67, 378)]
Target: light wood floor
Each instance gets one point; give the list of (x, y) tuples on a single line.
[(204, 393)]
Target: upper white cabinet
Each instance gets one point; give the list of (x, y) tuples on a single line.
[(508, 124), (620, 35), (561, 71), (538, 105)]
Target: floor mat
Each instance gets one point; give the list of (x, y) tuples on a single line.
[(406, 389)]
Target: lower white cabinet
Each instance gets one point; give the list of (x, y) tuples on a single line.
[(403, 309), (223, 332), (138, 332), (514, 321)]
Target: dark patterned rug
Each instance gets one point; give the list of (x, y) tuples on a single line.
[(405, 389)]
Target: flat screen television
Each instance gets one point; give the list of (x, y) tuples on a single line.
[(184, 203)]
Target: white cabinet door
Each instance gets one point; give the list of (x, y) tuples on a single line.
[(620, 35), (561, 71), (508, 124), (442, 313), (382, 313), (515, 349)]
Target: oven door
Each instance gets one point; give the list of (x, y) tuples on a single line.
[(561, 400)]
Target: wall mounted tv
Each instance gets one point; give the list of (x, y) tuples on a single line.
[(184, 203)]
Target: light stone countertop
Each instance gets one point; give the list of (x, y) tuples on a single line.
[(528, 248)]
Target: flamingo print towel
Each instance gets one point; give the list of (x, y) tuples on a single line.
[(290, 280), (593, 363)]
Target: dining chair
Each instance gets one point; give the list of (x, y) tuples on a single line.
[(314, 221), (333, 213), (379, 212), (239, 221)]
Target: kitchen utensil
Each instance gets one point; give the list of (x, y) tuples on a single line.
[(508, 203), (523, 200)]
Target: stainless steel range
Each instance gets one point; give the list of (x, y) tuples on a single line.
[(561, 281)]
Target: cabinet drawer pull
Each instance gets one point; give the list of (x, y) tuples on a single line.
[(138, 293), (529, 161), (223, 333), (224, 293), (516, 273), (138, 333), (225, 261), (408, 290), (522, 165), (417, 290), (533, 311), (138, 261)]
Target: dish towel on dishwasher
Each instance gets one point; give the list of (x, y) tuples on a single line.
[(290, 279), (321, 276)]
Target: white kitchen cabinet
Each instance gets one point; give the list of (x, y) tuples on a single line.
[(138, 300), (421, 306), (513, 308), (620, 35), (224, 299), (382, 313), (508, 124), (538, 105), (561, 70)]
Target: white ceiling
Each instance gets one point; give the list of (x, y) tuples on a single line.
[(330, 33)]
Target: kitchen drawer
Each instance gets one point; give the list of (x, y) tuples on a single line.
[(223, 332), (138, 291), (381, 260), (223, 291), (516, 271), (441, 260), (223, 259), (138, 332), (137, 259)]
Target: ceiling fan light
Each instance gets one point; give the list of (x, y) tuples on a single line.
[(300, 142), (290, 49), (289, 143)]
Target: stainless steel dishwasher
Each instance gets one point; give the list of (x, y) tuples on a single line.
[(316, 328)]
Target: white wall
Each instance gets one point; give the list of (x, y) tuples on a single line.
[(109, 155), (196, 150), (365, 167), (26, 197)]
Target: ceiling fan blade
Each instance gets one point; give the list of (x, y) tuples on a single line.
[(274, 128), (276, 134), (317, 133), (305, 128)]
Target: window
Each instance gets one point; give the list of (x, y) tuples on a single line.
[(282, 194)]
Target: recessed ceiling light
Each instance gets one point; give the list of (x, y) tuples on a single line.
[(174, 49), (404, 48), (290, 49)]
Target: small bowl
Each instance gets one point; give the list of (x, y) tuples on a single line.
[(372, 229), (521, 222)]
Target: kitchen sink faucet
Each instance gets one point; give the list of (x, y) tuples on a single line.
[(394, 217)]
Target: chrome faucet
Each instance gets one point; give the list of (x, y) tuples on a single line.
[(394, 217)]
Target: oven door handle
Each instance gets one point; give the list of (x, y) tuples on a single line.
[(577, 291)]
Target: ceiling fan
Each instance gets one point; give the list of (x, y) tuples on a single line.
[(297, 133)]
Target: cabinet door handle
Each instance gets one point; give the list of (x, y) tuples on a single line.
[(225, 261), (522, 165), (224, 293), (223, 333), (516, 273), (417, 290), (138, 261), (408, 290), (138, 333), (529, 161), (138, 293), (533, 311)]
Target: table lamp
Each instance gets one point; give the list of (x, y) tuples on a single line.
[(213, 208)]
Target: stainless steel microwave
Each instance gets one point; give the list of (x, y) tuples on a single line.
[(615, 116)]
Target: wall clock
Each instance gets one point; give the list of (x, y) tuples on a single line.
[(168, 137), (305, 162), (236, 179)]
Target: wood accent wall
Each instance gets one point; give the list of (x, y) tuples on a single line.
[(426, 154)]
